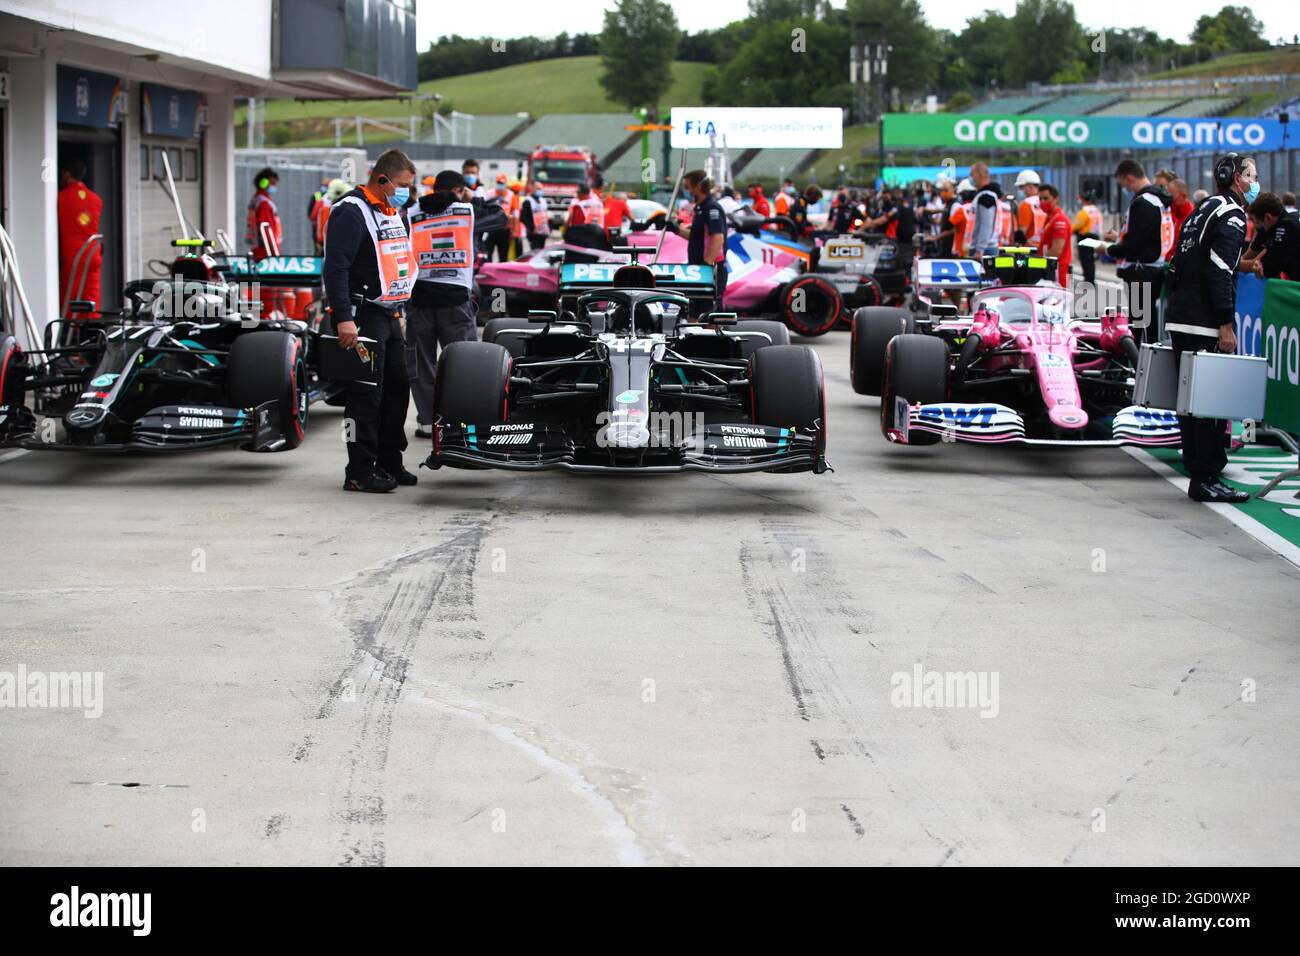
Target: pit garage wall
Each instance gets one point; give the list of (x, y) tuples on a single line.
[(30, 179)]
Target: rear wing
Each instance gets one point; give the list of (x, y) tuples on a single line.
[(678, 277), (947, 274), (693, 281), (276, 270)]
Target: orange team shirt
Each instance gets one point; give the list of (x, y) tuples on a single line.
[(958, 219), (616, 211)]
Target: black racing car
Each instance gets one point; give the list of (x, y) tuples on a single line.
[(625, 382), (184, 364)]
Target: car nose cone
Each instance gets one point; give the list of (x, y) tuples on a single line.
[(627, 435), (1066, 416)]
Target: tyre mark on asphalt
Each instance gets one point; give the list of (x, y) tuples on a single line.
[(807, 665), (1132, 777), (384, 608), (619, 797), (853, 821)]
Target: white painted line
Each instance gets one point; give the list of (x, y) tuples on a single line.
[(1265, 536), (10, 455)]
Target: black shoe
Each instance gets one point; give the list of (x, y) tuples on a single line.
[(1217, 492), (377, 482), (423, 431), (399, 474)]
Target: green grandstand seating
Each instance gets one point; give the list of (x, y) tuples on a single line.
[(600, 132), (1009, 104), (1204, 106), (484, 130), (1150, 106), (1079, 104)]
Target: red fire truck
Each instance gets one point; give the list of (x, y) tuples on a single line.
[(560, 169)]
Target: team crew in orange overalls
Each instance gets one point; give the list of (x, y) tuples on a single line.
[(1029, 216), (368, 254), (261, 210), (1088, 225), (79, 213)]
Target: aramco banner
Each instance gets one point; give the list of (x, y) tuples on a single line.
[(1081, 132)]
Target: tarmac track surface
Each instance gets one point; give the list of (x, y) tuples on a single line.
[(499, 668)]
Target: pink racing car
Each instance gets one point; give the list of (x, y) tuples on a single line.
[(1019, 368), (531, 281), (767, 273)]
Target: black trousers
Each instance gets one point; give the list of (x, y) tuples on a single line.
[(1088, 262), (499, 242), (1204, 455), (1142, 285), (377, 413)]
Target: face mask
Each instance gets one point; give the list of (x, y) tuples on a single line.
[(471, 180), (270, 190), (1252, 193), (401, 195)]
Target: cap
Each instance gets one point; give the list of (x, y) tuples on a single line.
[(965, 186), (337, 188)]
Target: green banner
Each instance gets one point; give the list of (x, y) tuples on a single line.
[(1033, 131), (1280, 344)]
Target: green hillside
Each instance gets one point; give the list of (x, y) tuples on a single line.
[(1285, 60), (565, 85), (860, 146)]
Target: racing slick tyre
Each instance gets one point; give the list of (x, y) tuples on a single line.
[(916, 371), (9, 357), (473, 383), (869, 296), (516, 345), (779, 334), (270, 365), (787, 389), (810, 305), (872, 330)]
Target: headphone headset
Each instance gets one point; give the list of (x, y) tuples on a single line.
[(263, 183), (1225, 170)]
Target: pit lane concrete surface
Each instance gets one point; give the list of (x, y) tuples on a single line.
[(938, 656)]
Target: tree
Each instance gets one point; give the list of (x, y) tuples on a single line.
[(914, 65), (1231, 30), (1047, 39), (787, 9), (637, 48), (987, 46), (770, 71)]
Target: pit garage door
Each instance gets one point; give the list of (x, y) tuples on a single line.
[(158, 222)]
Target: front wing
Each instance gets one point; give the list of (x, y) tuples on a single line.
[(183, 427), (994, 424), (535, 446)]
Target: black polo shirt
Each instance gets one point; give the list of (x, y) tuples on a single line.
[(1282, 243), (708, 220)]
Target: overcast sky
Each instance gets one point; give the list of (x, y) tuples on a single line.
[(510, 18)]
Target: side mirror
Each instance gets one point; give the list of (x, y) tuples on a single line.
[(81, 305), (720, 318)]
